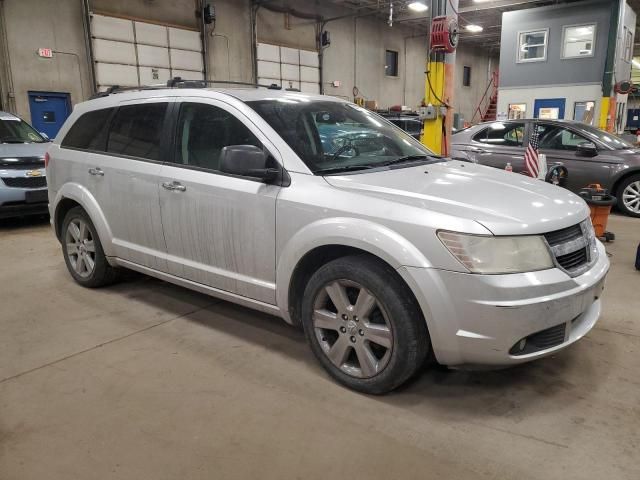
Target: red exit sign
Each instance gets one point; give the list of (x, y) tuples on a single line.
[(45, 52)]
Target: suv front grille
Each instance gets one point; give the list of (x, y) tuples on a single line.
[(25, 182), (572, 247)]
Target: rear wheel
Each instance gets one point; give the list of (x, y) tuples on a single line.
[(83, 252), (363, 324), (629, 196)]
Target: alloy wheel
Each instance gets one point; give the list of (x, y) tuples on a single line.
[(81, 249), (352, 328), (631, 197)]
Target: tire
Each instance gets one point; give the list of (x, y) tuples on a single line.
[(83, 252), (364, 325), (628, 194)]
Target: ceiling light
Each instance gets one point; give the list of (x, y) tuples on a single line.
[(418, 7), (473, 28)]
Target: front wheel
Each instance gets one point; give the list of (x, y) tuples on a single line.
[(629, 196), (364, 325)]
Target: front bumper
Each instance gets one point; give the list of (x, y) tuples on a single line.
[(481, 319), (16, 201)]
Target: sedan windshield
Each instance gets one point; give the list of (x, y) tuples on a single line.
[(609, 139), (14, 130), (335, 137)]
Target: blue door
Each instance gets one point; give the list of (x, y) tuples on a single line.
[(552, 108), (49, 111)]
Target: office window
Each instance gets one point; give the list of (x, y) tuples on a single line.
[(578, 41), (517, 111), (136, 130), (584, 112), (532, 46), (466, 76), (628, 44), (391, 63)]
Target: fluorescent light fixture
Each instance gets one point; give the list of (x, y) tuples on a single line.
[(418, 7), (473, 28)]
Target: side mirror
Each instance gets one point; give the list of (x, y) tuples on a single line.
[(587, 149), (247, 161)]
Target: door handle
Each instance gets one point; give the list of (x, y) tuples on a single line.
[(174, 186), (96, 172)]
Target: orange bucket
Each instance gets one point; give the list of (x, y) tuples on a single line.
[(600, 203)]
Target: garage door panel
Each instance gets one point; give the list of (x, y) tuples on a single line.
[(269, 53), (114, 74), (184, 39), (150, 34), (111, 28), (187, 74), (290, 72), (309, 74), (186, 59), (149, 56), (153, 75), (289, 55), (114, 52), (268, 69), (309, 59), (307, 87)]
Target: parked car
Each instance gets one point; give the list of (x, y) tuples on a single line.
[(589, 154), (381, 251), (23, 184)]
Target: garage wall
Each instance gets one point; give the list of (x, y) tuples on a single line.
[(33, 24), (482, 63)]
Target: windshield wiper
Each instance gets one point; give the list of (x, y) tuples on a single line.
[(344, 168), (12, 140), (408, 158)]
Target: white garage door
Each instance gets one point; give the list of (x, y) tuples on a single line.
[(289, 67), (132, 53)]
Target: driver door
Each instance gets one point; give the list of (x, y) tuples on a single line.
[(219, 228), (560, 145)]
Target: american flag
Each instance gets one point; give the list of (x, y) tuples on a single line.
[(531, 163)]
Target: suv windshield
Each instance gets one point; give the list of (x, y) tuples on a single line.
[(608, 139), (14, 130), (333, 137)]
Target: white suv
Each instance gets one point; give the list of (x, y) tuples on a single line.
[(321, 212)]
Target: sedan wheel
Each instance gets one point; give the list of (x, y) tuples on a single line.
[(352, 328), (631, 197), (81, 249)]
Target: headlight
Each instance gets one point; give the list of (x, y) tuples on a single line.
[(489, 254)]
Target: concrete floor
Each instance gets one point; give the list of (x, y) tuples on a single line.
[(145, 380)]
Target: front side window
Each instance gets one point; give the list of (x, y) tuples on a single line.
[(89, 132), (532, 46), (204, 130), (136, 130), (503, 134), (15, 130), (559, 138), (332, 136), (578, 41)]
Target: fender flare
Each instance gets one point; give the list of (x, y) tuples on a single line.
[(81, 195), (365, 235)]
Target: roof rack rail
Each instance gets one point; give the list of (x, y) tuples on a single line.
[(178, 82)]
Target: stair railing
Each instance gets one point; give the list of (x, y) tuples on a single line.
[(482, 107)]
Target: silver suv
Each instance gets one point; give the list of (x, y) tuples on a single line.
[(321, 212)]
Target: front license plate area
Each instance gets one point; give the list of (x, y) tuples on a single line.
[(36, 196)]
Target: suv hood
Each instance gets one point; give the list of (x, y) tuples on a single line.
[(12, 154), (505, 203)]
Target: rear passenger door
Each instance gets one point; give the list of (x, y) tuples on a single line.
[(498, 144), (115, 153), (219, 228)]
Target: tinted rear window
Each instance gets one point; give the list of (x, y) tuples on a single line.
[(89, 131), (136, 130)]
